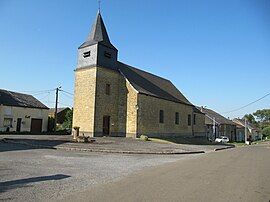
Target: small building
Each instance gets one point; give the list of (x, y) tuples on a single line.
[(115, 99), (22, 113), (61, 114), (252, 131), (217, 125)]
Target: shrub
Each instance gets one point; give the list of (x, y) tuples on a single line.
[(144, 137)]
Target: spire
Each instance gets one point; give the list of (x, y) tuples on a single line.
[(98, 34)]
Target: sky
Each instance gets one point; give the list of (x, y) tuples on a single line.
[(216, 52)]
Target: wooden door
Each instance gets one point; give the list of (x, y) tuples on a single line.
[(19, 123), (106, 125), (36, 125)]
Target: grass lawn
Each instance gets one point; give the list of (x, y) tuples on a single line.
[(182, 140)]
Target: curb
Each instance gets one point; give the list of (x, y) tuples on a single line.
[(6, 140), (223, 148)]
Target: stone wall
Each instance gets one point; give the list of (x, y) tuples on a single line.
[(84, 100), (113, 105), (200, 127), (132, 105), (148, 118)]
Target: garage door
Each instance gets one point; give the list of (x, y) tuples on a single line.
[(36, 125)]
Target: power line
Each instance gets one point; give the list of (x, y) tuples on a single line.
[(67, 92), (68, 96), (39, 91), (247, 104)]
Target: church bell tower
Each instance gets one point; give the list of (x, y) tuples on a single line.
[(97, 50)]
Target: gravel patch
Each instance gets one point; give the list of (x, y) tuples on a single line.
[(31, 174)]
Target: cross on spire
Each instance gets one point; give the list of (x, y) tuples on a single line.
[(99, 2)]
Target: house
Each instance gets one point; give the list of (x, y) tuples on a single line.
[(217, 125), (21, 112), (61, 114), (112, 98), (252, 132)]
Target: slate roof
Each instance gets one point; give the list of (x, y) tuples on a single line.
[(150, 84), (218, 118), (9, 98), (98, 34)]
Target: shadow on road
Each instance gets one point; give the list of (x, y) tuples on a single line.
[(25, 144), (13, 184)]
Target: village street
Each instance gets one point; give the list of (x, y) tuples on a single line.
[(240, 174), (30, 174)]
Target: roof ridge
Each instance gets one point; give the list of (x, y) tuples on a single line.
[(145, 71), (9, 91)]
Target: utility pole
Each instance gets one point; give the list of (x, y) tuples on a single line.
[(214, 127), (56, 105), (245, 130)]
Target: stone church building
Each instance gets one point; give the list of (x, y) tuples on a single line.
[(114, 99)]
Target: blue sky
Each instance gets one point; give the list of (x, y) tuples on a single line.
[(217, 52)]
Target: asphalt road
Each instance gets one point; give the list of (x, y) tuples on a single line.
[(240, 174), (30, 174)]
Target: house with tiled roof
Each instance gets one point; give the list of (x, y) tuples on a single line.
[(22, 113), (252, 131), (217, 125), (112, 98)]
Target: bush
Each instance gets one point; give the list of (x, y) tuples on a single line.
[(144, 137), (266, 131)]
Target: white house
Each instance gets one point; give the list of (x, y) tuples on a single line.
[(22, 113)]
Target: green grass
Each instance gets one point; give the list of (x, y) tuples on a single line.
[(160, 141), (238, 144), (182, 140)]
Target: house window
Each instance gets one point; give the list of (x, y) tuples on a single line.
[(86, 54), (194, 119), (7, 122), (176, 117), (108, 89), (161, 116), (189, 119), (107, 54)]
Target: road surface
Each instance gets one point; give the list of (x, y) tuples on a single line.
[(240, 174)]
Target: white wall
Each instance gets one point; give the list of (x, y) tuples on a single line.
[(26, 114)]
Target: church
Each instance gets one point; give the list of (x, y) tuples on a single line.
[(112, 98)]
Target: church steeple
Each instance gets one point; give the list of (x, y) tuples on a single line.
[(97, 50), (98, 34)]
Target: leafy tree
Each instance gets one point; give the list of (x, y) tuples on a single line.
[(263, 115), (250, 118), (50, 124), (68, 120), (266, 131)]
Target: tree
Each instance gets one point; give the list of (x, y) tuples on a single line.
[(266, 131), (250, 118), (68, 120), (263, 115)]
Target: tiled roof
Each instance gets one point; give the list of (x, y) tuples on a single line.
[(10, 98), (210, 115), (241, 122), (52, 110)]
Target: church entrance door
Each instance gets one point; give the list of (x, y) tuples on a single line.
[(106, 125)]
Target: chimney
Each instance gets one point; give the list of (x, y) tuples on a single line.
[(201, 108)]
